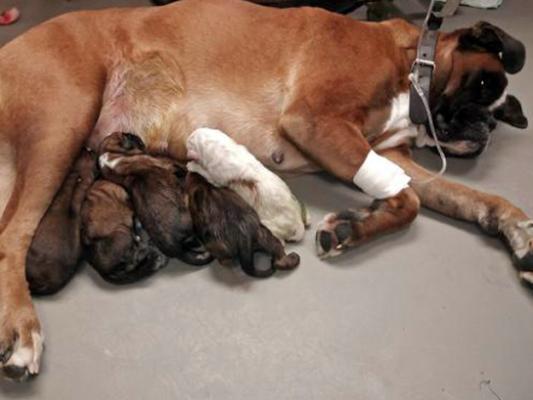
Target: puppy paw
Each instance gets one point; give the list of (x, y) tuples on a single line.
[(337, 232), (290, 261), (21, 346)]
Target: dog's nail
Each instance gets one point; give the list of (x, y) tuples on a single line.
[(343, 231), (325, 239)]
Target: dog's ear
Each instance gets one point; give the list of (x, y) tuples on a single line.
[(511, 112), (130, 141), (487, 37)]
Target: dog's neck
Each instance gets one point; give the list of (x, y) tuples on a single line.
[(406, 37)]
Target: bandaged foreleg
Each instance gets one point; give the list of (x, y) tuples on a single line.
[(380, 178)]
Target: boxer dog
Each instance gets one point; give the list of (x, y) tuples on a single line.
[(223, 162), (315, 86), (56, 248), (118, 248), (231, 229), (156, 186)]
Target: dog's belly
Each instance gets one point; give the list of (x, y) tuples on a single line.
[(257, 132), (163, 112)]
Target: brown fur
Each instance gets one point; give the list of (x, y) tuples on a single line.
[(120, 251), (231, 230), (304, 83), (156, 186), (56, 247)]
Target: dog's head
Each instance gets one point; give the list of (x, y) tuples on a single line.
[(125, 257), (116, 244), (469, 92)]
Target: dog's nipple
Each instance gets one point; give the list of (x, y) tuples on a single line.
[(278, 156)]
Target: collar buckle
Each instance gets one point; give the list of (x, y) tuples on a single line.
[(424, 62)]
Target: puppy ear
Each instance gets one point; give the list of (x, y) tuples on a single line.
[(487, 37), (511, 112), (131, 141)]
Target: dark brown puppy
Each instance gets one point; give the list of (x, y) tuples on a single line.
[(117, 246), (156, 186), (56, 250), (231, 230)]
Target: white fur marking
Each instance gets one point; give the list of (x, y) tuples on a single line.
[(400, 123), (104, 161), (380, 178), (399, 113), (400, 137), (526, 276), (28, 357), (499, 102)]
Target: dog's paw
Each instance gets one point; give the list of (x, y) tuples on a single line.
[(337, 232), (521, 242), (21, 346)]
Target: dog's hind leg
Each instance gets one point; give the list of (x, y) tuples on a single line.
[(42, 160), (494, 214), (338, 146)]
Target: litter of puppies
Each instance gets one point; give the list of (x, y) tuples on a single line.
[(126, 212)]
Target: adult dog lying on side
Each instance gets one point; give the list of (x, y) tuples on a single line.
[(316, 87)]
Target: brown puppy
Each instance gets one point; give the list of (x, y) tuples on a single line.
[(117, 246), (156, 186), (231, 229), (56, 248)]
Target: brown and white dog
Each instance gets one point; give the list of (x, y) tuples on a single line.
[(317, 87)]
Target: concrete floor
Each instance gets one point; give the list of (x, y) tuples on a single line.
[(434, 312)]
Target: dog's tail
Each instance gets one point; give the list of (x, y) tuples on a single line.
[(340, 6)]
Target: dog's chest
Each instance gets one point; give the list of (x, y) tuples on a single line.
[(397, 128)]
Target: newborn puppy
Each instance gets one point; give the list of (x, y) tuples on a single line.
[(117, 246), (220, 160), (56, 249), (156, 187), (231, 229)]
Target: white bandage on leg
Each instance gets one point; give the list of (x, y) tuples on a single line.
[(380, 178)]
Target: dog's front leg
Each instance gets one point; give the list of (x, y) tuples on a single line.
[(338, 146), (493, 213)]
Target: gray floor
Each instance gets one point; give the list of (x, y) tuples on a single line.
[(434, 312)]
